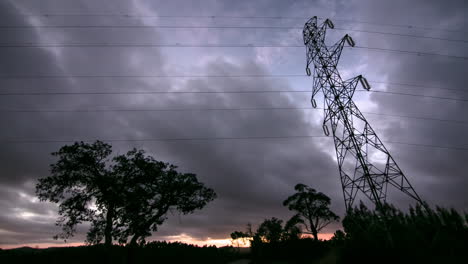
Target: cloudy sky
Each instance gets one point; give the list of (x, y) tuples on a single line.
[(264, 152)]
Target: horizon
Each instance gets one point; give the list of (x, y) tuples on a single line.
[(182, 238)]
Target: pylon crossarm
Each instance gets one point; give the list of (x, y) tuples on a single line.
[(338, 48), (316, 87), (351, 85)]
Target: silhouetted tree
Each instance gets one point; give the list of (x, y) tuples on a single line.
[(338, 237), (128, 195), (312, 209), (271, 230), (244, 236), (275, 241), (291, 229)]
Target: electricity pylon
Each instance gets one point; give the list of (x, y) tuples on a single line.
[(364, 163)]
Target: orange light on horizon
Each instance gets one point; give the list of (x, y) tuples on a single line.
[(183, 238), (325, 236), (41, 245)]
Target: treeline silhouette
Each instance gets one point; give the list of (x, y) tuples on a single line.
[(387, 234), (383, 235), (151, 252)]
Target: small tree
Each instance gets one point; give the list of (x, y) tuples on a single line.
[(271, 230), (128, 195), (312, 209), (248, 235)]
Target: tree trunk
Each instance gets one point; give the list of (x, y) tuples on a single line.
[(109, 222), (315, 234), (133, 241), (138, 234), (313, 229)]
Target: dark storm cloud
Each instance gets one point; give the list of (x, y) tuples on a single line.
[(251, 177)]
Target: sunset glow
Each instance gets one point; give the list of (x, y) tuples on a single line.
[(184, 238)]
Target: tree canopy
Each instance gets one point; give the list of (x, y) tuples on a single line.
[(272, 230), (123, 196), (269, 231), (312, 209)]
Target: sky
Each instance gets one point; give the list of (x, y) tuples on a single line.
[(265, 155)]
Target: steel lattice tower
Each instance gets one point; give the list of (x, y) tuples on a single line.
[(364, 163)]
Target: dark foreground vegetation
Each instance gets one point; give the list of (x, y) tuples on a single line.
[(387, 235), (153, 252), (422, 235)]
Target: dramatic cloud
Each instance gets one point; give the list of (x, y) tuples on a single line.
[(251, 177)]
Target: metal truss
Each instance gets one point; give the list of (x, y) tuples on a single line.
[(364, 163)]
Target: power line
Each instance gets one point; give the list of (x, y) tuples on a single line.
[(419, 53), (213, 109), (402, 35), (427, 145), (154, 110), (207, 92), (135, 15), (7, 77), (202, 76), (407, 86), (156, 92), (421, 86), (407, 26), (146, 27), (420, 118), (151, 76), (151, 92), (224, 27), (160, 139), (42, 141), (416, 95), (153, 45)]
